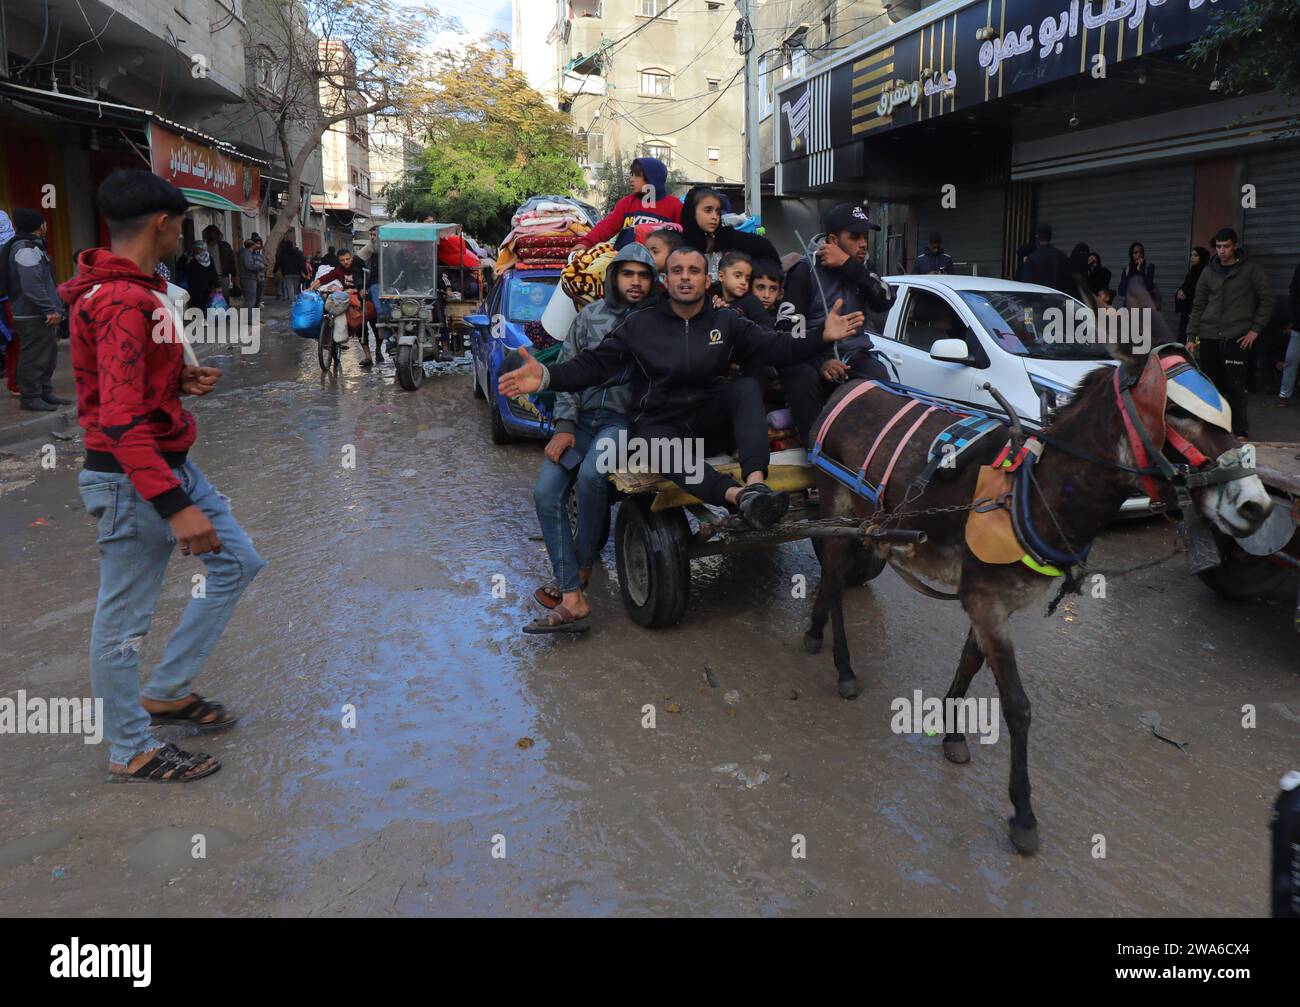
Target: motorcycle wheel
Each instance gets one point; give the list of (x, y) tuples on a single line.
[(410, 366)]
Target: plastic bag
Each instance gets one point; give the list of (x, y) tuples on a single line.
[(307, 313), (217, 301)]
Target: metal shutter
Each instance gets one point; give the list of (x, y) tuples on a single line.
[(1110, 211), (1272, 230), (972, 230)]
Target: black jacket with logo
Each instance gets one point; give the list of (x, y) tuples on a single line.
[(678, 364)]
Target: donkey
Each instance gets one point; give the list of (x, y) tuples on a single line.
[(1084, 474)]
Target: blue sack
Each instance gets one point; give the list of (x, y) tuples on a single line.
[(307, 313)]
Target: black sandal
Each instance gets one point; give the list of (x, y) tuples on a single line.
[(169, 765), (192, 715)]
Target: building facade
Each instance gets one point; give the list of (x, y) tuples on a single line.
[(980, 121), (345, 160), (645, 77)]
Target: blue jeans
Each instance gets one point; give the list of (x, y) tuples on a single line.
[(135, 543), (551, 495)]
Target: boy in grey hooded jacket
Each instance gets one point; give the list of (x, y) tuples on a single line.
[(583, 421)]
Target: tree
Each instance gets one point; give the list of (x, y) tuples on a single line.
[(318, 63), (492, 142), (1253, 48)]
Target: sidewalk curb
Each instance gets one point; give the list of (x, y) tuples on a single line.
[(39, 425)]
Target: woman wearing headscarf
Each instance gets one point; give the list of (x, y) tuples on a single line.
[(8, 333), (1186, 296), (1098, 276), (202, 276), (1138, 266), (702, 228)]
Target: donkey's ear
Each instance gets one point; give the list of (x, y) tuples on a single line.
[(1128, 337), (1149, 397)]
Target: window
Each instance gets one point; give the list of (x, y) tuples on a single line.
[(929, 319), (764, 88), (655, 83), (363, 185), (649, 8), (713, 153), (356, 181), (714, 83), (660, 150), (591, 148)]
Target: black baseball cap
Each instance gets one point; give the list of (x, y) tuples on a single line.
[(848, 217)]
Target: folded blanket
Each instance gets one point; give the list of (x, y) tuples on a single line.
[(551, 255), (564, 241)]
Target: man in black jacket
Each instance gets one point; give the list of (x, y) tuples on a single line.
[(1048, 266), (842, 272), (679, 352)]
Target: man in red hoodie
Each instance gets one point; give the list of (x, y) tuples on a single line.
[(649, 202), (137, 482)]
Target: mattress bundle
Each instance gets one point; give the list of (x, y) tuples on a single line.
[(583, 279), (541, 236)]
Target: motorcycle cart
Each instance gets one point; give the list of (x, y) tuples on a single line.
[(411, 318)]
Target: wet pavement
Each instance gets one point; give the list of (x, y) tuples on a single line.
[(489, 772)]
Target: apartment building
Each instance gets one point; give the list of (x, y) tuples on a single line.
[(660, 78), (345, 159), (393, 156)]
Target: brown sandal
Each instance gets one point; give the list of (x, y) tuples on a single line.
[(559, 620), (550, 595)]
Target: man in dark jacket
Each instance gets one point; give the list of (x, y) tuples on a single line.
[(37, 311), (1048, 266), (223, 257), (934, 259), (842, 272), (1233, 304), (680, 351)]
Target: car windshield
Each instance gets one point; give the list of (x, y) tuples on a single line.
[(527, 297), (408, 268), (1035, 324)]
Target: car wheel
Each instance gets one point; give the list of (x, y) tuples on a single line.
[(500, 434)]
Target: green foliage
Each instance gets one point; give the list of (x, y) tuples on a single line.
[(491, 142), (1256, 47)]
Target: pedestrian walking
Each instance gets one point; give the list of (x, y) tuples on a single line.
[(292, 265), (143, 490), (223, 257), (1186, 296), (252, 267), (1233, 304), (36, 310), (934, 259)]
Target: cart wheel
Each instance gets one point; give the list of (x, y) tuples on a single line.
[(864, 564), (1241, 576), (654, 569), (410, 366), (500, 435), (327, 351)]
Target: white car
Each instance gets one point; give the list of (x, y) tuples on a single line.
[(946, 336)]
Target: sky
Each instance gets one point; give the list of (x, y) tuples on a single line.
[(477, 17)]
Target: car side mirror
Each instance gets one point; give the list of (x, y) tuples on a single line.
[(953, 351), (478, 321)]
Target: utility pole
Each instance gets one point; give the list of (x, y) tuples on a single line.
[(748, 36)]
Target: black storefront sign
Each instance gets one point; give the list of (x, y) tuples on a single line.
[(946, 66)]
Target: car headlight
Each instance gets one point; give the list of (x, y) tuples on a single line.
[(1051, 395), (410, 308)]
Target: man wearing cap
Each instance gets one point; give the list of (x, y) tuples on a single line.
[(842, 270), (934, 259), (37, 311)]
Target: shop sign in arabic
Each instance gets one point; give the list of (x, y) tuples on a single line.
[(207, 176)]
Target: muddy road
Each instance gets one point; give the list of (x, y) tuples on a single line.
[(489, 772)]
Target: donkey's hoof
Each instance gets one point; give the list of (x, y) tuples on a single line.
[(1024, 840), (812, 644), (955, 750), (848, 688)]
